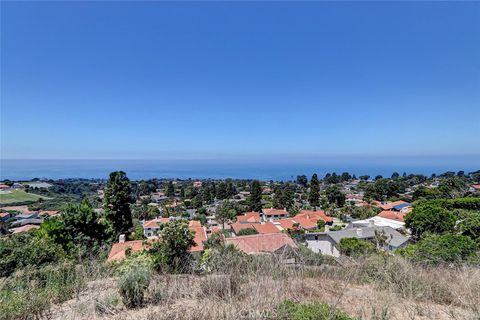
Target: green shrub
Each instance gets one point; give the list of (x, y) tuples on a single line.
[(437, 249), (315, 311), (31, 291), (133, 284), (247, 231), (336, 228), (355, 247), (429, 218)]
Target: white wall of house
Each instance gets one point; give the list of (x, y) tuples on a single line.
[(324, 245), (150, 232)]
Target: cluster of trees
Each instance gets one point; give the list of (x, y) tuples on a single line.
[(445, 230), (283, 196), (79, 233)]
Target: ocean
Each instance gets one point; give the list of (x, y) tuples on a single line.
[(278, 169)]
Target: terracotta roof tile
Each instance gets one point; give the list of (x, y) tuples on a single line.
[(271, 212), (392, 215), (262, 243), (267, 227)]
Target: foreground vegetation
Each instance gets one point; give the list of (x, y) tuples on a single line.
[(231, 285)]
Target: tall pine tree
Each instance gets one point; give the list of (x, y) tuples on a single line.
[(314, 196), (116, 202), (255, 200)]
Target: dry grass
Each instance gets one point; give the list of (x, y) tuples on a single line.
[(373, 288)]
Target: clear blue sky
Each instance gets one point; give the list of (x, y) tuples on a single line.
[(152, 80)]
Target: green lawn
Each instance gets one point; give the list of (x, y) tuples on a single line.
[(19, 196)]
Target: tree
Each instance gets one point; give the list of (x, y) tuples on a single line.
[(314, 195), (302, 180), (284, 197), (470, 226), (346, 176), (429, 218), (247, 232), (138, 233), (320, 224), (221, 191), (395, 175), (171, 252), (335, 196), (355, 247), (117, 200), (27, 249), (170, 192), (78, 230), (225, 212), (437, 249), (452, 187), (255, 199)]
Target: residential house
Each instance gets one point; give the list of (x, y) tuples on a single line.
[(39, 185), (152, 227), (24, 228), (327, 242), (4, 216), (378, 222), (316, 215), (274, 214), (117, 253), (50, 213), (250, 217), (118, 249), (261, 228), (27, 215), (23, 222), (474, 188), (260, 244)]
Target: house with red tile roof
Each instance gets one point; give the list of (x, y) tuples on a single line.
[(274, 214), (316, 215), (259, 244), (51, 213), (194, 224), (392, 215), (199, 237), (261, 228), (285, 224), (474, 188), (266, 228), (395, 205), (118, 249), (24, 228), (117, 253), (152, 227), (4, 216), (249, 217)]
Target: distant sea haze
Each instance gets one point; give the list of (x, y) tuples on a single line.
[(281, 169)]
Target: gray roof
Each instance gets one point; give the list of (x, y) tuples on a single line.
[(396, 238), (26, 221), (26, 215)]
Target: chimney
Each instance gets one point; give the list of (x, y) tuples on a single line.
[(121, 239), (371, 223), (359, 232)]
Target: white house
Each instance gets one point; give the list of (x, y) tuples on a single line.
[(327, 242)]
